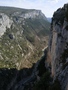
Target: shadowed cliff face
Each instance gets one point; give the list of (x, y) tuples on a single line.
[(58, 46), (13, 79)]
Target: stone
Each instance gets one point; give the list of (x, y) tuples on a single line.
[(57, 56)]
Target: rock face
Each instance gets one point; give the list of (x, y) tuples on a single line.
[(31, 14), (5, 22), (57, 57)]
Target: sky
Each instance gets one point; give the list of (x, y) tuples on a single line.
[(46, 6)]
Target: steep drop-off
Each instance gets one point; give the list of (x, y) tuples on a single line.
[(54, 76), (57, 57)]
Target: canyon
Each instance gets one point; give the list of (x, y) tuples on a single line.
[(49, 71)]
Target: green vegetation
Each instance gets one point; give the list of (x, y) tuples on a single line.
[(64, 65), (11, 10), (66, 27), (55, 85), (41, 67), (59, 35), (22, 44), (43, 83), (64, 55), (6, 76), (60, 15), (46, 83), (66, 12)]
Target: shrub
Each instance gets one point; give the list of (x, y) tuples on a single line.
[(59, 35), (66, 27), (43, 83), (55, 85), (64, 65), (64, 55)]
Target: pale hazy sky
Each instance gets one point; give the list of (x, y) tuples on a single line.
[(46, 6)]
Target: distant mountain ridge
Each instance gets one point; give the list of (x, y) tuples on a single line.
[(23, 35), (49, 19)]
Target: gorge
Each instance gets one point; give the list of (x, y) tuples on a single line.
[(24, 36)]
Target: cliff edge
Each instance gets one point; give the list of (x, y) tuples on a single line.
[(57, 58)]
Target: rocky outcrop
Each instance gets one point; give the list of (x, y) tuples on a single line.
[(57, 57), (5, 22), (30, 14)]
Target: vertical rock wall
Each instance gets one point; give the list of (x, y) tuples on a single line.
[(57, 57)]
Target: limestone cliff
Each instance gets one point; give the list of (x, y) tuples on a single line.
[(30, 14), (57, 57), (5, 22)]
